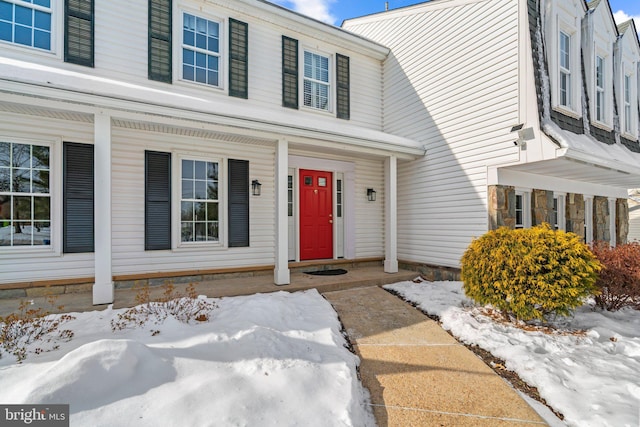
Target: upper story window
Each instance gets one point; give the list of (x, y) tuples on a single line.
[(627, 103), (565, 69), (316, 81), (26, 22), (600, 89), (201, 50)]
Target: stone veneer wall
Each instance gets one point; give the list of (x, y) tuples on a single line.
[(502, 207), (622, 221), (575, 214), (541, 207), (601, 219), (502, 212)]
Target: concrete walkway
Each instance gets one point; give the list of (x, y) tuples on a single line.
[(417, 374)]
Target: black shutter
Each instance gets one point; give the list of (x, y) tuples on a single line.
[(160, 40), (238, 203), (289, 72), (157, 200), (78, 32), (238, 59), (343, 87), (77, 198)]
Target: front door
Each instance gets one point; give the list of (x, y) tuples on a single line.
[(316, 215)]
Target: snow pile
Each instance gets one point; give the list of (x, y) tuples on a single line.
[(267, 360), (591, 378)]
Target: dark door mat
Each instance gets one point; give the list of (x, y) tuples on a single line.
[(334, 272)]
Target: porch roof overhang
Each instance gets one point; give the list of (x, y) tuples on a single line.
[(49, 87), (583, 159)]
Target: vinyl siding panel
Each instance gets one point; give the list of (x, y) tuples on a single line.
[(451, 82), (129, 256), (31, 265), (121, 54)]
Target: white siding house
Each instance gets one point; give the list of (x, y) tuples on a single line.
[(188, 138), (130, 143), (514, 136)]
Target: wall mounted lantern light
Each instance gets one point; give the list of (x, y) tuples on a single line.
[(371, 194), (255, 187)]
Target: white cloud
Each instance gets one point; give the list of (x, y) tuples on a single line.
[(317, 9), (621, 16)]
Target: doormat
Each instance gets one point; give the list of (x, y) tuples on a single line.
[(334, 272)]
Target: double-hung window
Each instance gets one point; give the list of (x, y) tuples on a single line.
[(565, 70), (26, 22), (600, 99), (519, 210), (199, 202), (201, 50), (627, 103), (317, 85), (25, 201)]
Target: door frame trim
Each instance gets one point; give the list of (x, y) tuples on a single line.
[(348, 169)]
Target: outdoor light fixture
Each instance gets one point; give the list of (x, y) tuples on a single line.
[(255, 187), (524, 135), (371, 194)]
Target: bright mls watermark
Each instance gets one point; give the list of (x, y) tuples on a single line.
[(34, 415)]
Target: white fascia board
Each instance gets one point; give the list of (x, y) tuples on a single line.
[(38, 81), (283, 17)]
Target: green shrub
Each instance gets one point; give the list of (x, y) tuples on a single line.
[(619, 280), (530, 273)]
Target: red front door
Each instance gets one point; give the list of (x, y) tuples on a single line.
[(316, 215)]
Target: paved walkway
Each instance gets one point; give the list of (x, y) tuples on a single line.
[(417, 374)]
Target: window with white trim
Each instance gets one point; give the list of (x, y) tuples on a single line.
[(317, 81), (600, 89), (627, 103), (199, 201), (26, 23), (519, 210), (25, 200), (201, 56), (565, 70)]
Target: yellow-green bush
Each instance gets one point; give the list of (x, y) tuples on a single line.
[(530, 273)]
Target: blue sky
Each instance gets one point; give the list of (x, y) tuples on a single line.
[(335, 11)]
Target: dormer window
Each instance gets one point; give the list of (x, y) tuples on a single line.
[(627, 103), (600, 91), (565, 69)]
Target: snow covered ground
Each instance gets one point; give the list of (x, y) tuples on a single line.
[(262, 360), (593, 379)]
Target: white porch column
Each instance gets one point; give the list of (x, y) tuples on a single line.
[(612, 221), (281, 274), (391, 215), (103, 286), (588, 219)]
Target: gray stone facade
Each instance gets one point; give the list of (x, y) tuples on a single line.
[(541, 207), (502, 207), (601, 219), (574, 212), (622, 221), (502, 212)]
